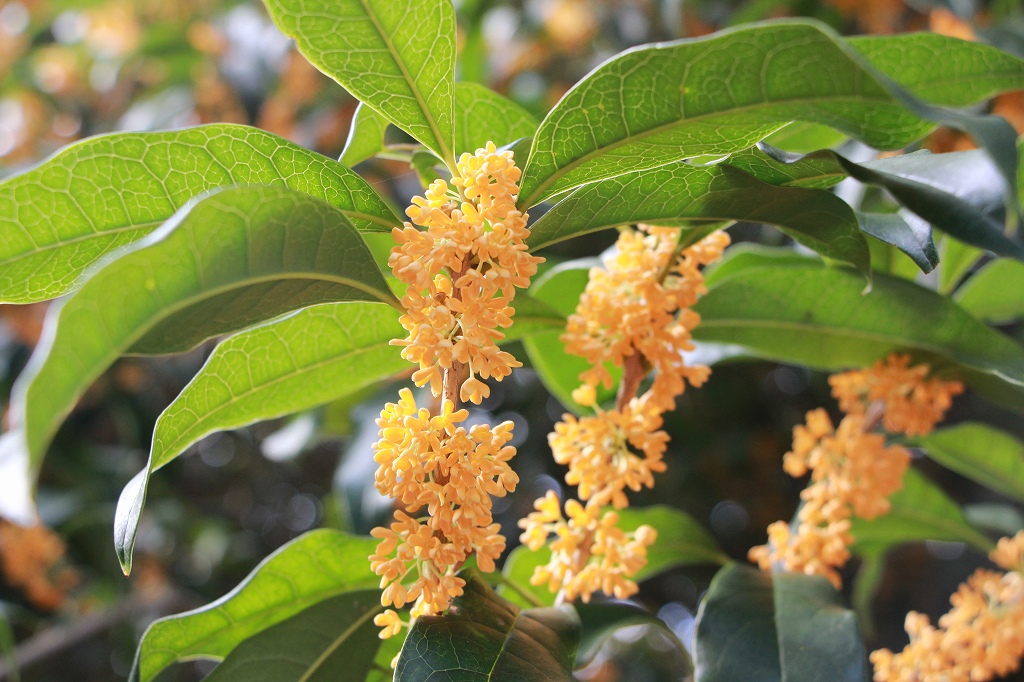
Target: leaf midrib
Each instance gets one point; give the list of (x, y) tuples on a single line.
[(504, 644), (359, 622), (564, 170), (319, 364), (385, 37), (114, 353)]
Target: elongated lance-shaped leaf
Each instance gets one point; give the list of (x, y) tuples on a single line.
[(995, 293), (991, 457), (104, 192), (333, 640), (716, 95), (907, 232), (398, 56), (778, 627), (313, 356), (818, 317), (224, 262), (316, 566), (365, 135), (482, 116), (920, 511), (929, 185), (679, 191), (484, 638)]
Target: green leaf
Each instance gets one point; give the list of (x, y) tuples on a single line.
[(681, 540), (365, 136), (805, 137), (803, 171), (484, 638), (947, 71), (398, 56), (920, 511), (865, 585), (993, 458), (678, 192), (818, 317), (774, 627), (333, 640), (316, 566), (311, 357), (718, 95), (482, 116), (10, 668), (104, 192), (228, 261), (519, 567), (744, 255), (957, 259), (602, 620), (996, 293), (908, 233), (928, 184), (560, 287)]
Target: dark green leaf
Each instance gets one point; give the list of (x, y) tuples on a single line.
[(231, 260), (981, 453), (929, 185), (865, 585), (920, 511), (319, 565), (10, 668), (398, 56), (601, 620), (365, 136), (311, 357), (940, 69), (721, 94), (908, 233), (104, 192), (484, 638), (679, 192), (482, 116), (996, 293), (758, 626), (817, 316), (333, 640)]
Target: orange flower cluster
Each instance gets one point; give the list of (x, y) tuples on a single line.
[(634, 313), (32, 559), (980, 638), (640, 303), (853, 472), (431, 462), (462, 271), (589, 553), (913, 403)]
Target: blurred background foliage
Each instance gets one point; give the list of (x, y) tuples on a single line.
[(70, 69)]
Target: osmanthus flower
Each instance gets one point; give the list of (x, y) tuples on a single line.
[(462, 271), (32, 560), (589, 552), (913, 403), (639, 302), (432, 463), (602, 451), (853, 471), (979, 639)]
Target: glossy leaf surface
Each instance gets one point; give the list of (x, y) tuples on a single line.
[(316, 566), (774, 628), (398, 56), (108, 191), (365, 136), (485, 638)]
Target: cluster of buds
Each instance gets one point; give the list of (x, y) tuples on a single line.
[(980, 638), (853, 471), (462, 270), (635, 314)]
